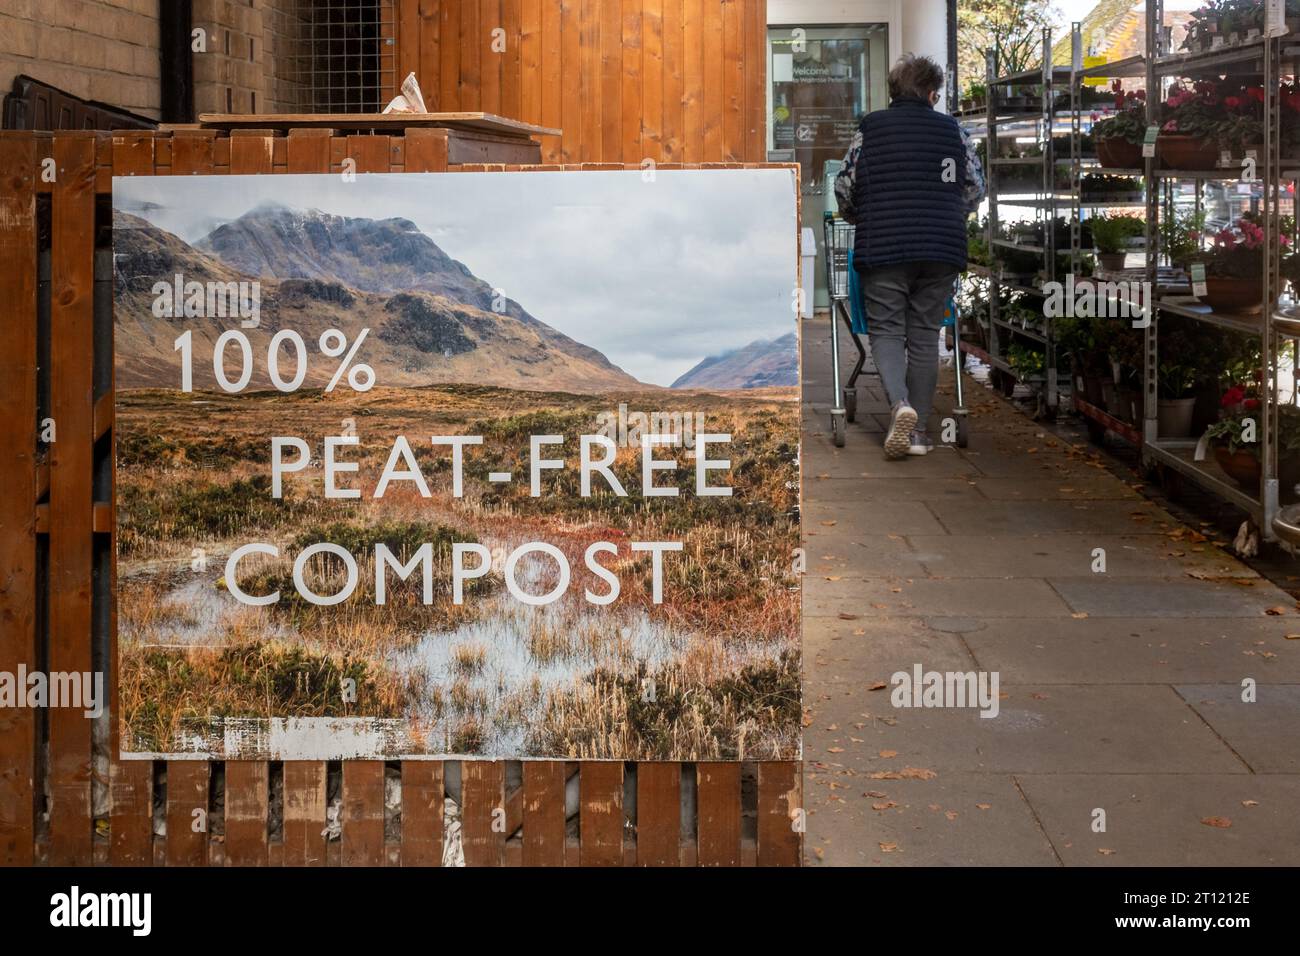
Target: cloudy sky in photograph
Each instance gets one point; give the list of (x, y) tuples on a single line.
[(656, 275)]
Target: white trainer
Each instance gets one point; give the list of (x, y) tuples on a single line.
[(899, 438)]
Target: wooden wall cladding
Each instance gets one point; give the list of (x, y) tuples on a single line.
[(673, 81), (57, 582)]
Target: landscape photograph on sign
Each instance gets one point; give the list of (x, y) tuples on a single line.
[(475, 465)]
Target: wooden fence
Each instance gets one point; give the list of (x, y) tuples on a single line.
[(61, 806)]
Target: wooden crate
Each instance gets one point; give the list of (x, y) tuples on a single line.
[(58, 587)]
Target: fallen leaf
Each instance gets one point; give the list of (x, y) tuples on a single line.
[(888, 753), (1275, 611), (886, 805), (951, 814), (888, 847), (1221, 823), (1250, 803), (983, 806), (1079, 615), (835, 750), (907, 773), (878, 685), (848, 617), (1104, 852), (819, 852)]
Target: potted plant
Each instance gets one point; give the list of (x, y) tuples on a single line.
[(1189, 133), (1176, 401), (1234, 269), (1242, 126), (1100, 187), (1110, 237), (1118, 138), (1237, 441)]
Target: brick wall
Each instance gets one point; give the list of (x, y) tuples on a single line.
[(103, 50)]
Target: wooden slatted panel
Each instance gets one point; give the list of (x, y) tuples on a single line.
[(449, 56), (652, 85), (490, 54), (304, 813), (658, 814), (632, 70), (712, 83), (429, 25), (530, 61), (71, 547), (733, 80), (611, 83), (589, 77), (18, 157), (408, 43), (192, 153), (549, 83), (426, 150), (544, 814), (187, 791), (693, 81), (673, 81), (600, 817), (131, 817), (308, 151), (251, 154), (482, 795), (471, 51), (755, 81), (778, 800), (423, 794), (718, 813), (370, 153), (573, 98), (363, 813), (512, 91), (247, 799)]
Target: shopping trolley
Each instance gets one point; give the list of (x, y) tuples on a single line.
[(846, 303)]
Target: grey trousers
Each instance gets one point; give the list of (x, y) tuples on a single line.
[(905, 304)]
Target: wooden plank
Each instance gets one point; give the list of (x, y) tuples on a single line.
[(589, 74), (600, 817), (192, 153), (611, 83), (482, 812), (363, 813), (693, 80), (304, 813), (408, 42), (187, 792), (573, 99), (247, 799), (512, 76), (18, 164), (552, 70), (630, 107), (430, 53), (544, 813), (251, 154), (133, 153), (308, 151), (426, 150), (778, 802), (370, 153), (528, 69), (755, 81), (72, 322), (131, 817), (659, 813), (471, 52), (491, 54), (674, 82), (652, 80), (395, 122), (711, 86), (448, 56), (423, 793), (464, 148), (718, 813), (733, 80)]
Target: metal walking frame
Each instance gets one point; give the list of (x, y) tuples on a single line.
[(841, 291)]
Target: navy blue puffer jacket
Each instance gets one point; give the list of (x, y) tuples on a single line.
[(908, 189)]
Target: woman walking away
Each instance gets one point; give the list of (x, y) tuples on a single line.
[(909, 181)]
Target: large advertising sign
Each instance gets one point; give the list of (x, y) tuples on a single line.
[(474, 465)]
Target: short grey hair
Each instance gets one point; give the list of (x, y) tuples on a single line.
[(917, 76)]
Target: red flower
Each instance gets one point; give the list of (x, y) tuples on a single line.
[(1231, 102), (1232, 396), (1250, 403), (1256, 93)]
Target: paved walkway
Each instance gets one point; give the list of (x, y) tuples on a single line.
[(1119, 691)]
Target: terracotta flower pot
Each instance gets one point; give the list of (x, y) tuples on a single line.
[(1111, 261), (1224, 294), (1240, 465), (1175, 417), (1116, 153), (1187, 152)]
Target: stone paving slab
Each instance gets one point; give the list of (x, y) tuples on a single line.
[(869, 518), (1081, 487), (1266, 733), (1099, 595), (1039, 729), (1043, 517), (923, 597), (862, 652), (1134, 650), (1067, 554), (831, 556), (1157, 819), (951, 820)]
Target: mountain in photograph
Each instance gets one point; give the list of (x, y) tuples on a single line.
[(430, 318), (760, 364)]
